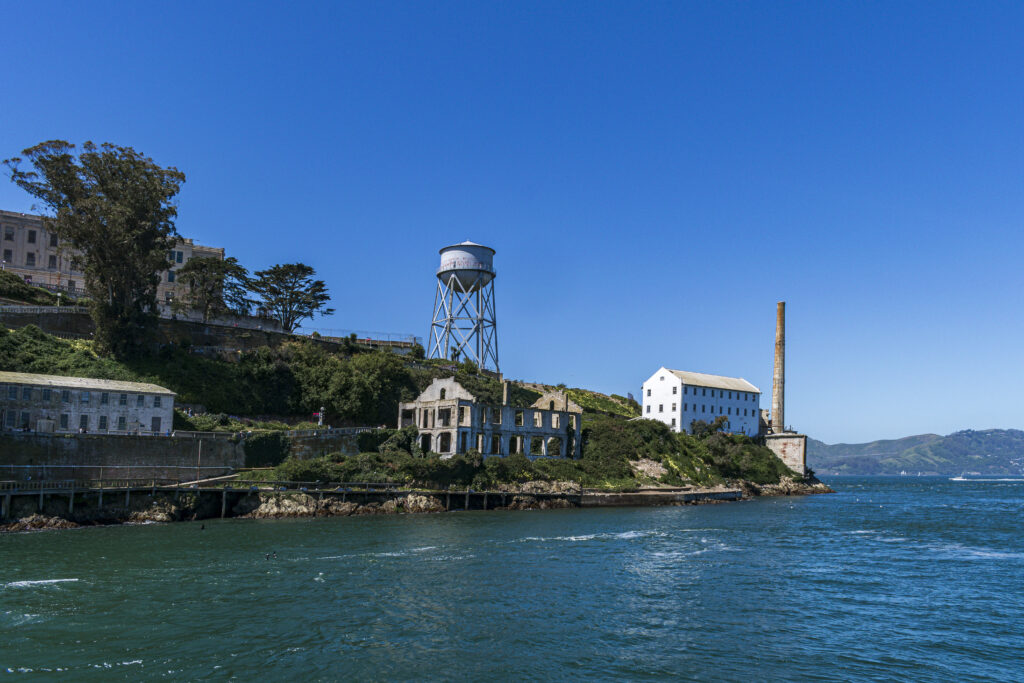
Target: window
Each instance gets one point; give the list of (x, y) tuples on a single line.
[(154, 426), (85, 397), (52, 262), (444, 393), (170, 276), (46, 394), (104, 399), (122, 423), (685, 407), (703, 408), (720, 409), (8, 234), (730, 411), (648, 392), (83, 422), (30, 259), (673, 422), (31, 236), (71, 286), (661, 407), (103, 423), (661, 379), (156, 401), (8, 255), (675, 390), (538, 418), (64, 421), (673, 407), (11, 418), (26, 418), (123, 401), (53, 239), (730, 395), (178, 255), (140, 401), (12, 392), (26, 394), (704, 392), (65, 396), (648, 409), (519, 418)]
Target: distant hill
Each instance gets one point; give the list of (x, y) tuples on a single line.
[(990, 451)]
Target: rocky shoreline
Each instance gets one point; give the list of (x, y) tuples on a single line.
[(190, 506)]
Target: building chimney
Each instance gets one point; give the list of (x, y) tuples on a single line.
[(779, 380), (504, 393)]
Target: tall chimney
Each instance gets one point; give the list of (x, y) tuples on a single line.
[(779, 380), (504, 393)]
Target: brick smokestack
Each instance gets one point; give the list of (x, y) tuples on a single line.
[(779, 380)]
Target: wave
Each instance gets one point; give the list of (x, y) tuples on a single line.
[(39, 582), (622, 535)]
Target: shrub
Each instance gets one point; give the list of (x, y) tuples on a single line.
[(266, 449)]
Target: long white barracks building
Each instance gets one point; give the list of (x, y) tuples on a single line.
[(677, 398)]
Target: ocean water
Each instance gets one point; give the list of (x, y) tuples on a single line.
[(890, 578)]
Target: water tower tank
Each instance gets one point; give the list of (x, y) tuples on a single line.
[(471, 264)]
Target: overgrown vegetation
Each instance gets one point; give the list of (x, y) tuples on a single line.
[(13, 287), (609, 445)]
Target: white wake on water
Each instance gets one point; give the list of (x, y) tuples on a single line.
[(40, 582)]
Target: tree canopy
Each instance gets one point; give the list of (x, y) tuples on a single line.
[(116, 207), (290, 293), (213, 287)]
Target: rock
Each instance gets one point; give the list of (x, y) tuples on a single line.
[(649, 468), (38, 522), (416, 502)]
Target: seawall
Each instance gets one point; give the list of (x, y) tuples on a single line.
[(101, 456)]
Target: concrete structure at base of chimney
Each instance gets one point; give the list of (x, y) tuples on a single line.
[(789, 446)]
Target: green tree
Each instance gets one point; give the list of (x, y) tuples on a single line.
[(213, 286), (290, 294), (115, 206)]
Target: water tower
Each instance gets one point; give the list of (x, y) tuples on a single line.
[(465, 326)]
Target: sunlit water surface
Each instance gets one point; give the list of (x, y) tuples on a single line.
[(918, 578)]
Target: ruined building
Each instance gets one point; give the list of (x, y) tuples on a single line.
[(452, 420)]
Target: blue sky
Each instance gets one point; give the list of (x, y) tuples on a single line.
[(653, 176)]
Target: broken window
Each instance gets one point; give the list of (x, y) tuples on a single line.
[(444, 416), (555, 420), (519, 418), (538, 418), (496, 444)]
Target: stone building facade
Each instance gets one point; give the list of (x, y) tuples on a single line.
[(34, 252), (452, 420), (50, 403)]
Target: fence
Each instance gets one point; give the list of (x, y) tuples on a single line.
[(43, 310)]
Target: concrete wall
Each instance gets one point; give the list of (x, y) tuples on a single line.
[(791, 449), (75, 322), (95, 456), (697, 403)]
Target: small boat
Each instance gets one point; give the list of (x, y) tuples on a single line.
[(960, 478)]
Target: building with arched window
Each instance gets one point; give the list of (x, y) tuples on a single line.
[(452, 420)]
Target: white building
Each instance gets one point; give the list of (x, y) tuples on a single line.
[(51, 403), (677, 398)]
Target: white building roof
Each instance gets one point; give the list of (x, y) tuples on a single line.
[(700, 379), (86, 383)]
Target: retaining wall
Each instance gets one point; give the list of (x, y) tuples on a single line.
[(96, 456)]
